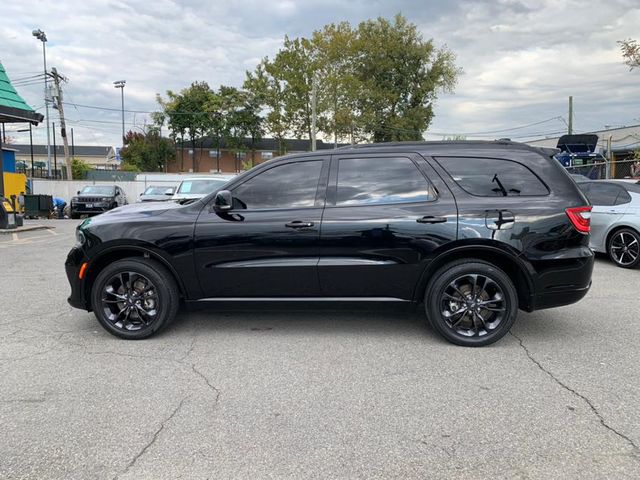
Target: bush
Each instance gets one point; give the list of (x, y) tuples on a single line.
[(79, 168)]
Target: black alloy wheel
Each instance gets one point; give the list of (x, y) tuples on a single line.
[(624, 248), (471, 303), (134, 298)]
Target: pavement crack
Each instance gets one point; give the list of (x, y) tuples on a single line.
[(585, 399), (214, 389), (153, 439)]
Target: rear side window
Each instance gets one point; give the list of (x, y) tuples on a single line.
[(493, 177), (370, 181), (607, 194)]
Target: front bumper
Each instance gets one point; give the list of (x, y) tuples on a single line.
[(72, 266)]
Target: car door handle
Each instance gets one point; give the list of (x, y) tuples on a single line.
[(299, 224), (431, 219)]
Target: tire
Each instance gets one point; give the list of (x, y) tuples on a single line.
[(462, 319), (74, 216), (125, 289), (623, 248)]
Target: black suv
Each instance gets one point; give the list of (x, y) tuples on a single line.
[(94, 199), (474, 230)]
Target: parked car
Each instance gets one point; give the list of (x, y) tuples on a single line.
[(473, 230), (94, 199), (615, 220), (199, 187), (157, 193), (579, 178)]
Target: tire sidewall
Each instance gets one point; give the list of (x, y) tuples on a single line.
[(165, 287), (446, 275)]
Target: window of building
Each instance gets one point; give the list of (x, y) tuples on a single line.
[(493, 177), (367, 181), (242, 155), (266, 155), (285, 186), (213, 153)]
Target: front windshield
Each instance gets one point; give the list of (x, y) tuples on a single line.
[(158, 191), (98, 190), (203, 186)]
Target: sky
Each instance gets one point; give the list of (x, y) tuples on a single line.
[(521, 59)]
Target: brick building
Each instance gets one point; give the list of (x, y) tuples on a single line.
[(206, 154)]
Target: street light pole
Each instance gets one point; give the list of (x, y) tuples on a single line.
[(120, 84), (40, 35)]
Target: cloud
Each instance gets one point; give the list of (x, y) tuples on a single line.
[(521, 59)]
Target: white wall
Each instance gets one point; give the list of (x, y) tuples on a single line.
[(67, 189)]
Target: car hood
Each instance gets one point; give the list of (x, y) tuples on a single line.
[(140, 209)]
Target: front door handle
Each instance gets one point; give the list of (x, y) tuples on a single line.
[(431, 219), (298, 224)]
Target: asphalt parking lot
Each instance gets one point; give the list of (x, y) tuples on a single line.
[(310, 392)]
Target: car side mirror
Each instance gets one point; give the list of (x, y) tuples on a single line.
[(223, 201), (168, 192), (78, 192)]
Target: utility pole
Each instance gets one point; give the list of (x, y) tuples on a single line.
[(570, 126), (40, 35), (120, 84), (55, 152), (73, 145), (63, 131), (313, 112)]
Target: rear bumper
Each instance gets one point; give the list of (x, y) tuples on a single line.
[(565, 283)]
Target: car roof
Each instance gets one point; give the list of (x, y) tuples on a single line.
[(432, 147), (628, 186), (217, 177)]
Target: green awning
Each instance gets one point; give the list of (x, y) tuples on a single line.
[(13, 108)]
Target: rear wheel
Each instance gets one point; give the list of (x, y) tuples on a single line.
[(471, 303), (624, 248), (134, 298)]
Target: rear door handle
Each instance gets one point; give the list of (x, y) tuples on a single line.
[(298, 224), (431, 219)]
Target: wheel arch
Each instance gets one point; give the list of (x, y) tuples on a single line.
[(615, 229), (513, 266), (115, 253)]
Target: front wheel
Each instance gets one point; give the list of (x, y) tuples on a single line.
[(624, 248), (133, 298), (471, 303)]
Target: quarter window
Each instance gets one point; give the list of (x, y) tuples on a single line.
[(367, 181), (605, 194), (493, 177), (292, 185)]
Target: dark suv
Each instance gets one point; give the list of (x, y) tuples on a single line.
[(94, 199), (474, 230)]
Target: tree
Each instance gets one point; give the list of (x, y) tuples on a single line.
[(378, 81), (630, 52), (187, 115), (146, 151), (79, 168)]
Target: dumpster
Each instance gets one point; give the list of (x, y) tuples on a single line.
[(38, 205)]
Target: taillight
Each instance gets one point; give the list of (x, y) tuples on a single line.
[(580, 218)]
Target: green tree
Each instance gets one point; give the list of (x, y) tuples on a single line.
[(146, 151), (79, 168)]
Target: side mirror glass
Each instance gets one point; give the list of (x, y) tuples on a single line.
[(223, 201), (78, 192)]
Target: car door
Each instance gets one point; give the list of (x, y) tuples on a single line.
[(268, 244), (385, 216), (606, 209)]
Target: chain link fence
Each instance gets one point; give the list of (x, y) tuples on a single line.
[(617, 169)]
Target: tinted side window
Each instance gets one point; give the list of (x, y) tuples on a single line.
[(284, 186), (366, 181), (603, 194), (493, 177), (623, 197)]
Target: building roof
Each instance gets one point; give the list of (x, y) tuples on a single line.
[(80, 150), (269, 144), (13, 108)]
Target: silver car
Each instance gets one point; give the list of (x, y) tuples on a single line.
[(199, 187), (615, 220), (157, 193)]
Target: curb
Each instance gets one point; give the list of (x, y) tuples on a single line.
[(26, 228)]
